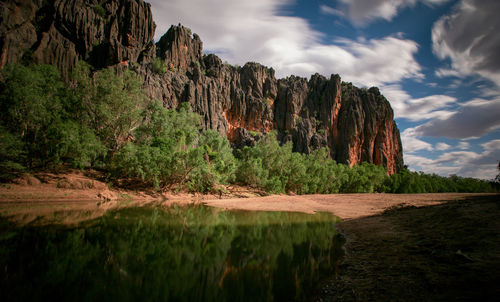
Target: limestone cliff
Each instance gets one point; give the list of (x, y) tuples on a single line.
[(243, 103)]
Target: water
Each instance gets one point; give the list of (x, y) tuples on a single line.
[(170, 254)]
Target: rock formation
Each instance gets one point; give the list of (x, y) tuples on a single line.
[(243, 103), (61, 32)]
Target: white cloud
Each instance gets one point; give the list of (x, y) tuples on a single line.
[(362, 12), (429, 107), (473, 119), (447, 72), (328, 10), (254, 31), (411, 143), (427, 165), (442, 146), (463, 146), (464, 163), (468, 36)]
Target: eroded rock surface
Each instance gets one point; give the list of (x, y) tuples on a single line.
[(243, 103)]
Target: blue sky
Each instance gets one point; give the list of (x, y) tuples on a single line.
[(436, 61)]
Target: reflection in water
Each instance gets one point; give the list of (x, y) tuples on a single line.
[(170, 254)]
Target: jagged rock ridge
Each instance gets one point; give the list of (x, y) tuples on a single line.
[(243, 103)]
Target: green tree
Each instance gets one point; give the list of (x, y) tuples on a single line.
[(31, 101), (168, 150), (12, 155), (110, 104), (497, 178)]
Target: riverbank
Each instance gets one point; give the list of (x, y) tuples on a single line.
[(444, 252), (76, 196), (401, 247)]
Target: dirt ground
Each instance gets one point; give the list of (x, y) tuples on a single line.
[(75, 196), (45, 197), (346, 206), (443, 252)]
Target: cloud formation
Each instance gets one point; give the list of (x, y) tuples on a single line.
[(255, 31), (411, 143), (473, 119), (465, 163), (328, 10), (442, 146), (362, 12), (429, 107), (468, 36)]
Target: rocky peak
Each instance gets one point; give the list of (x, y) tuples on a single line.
[(242, 103), (258, 81), (180, 49), (61, 32)]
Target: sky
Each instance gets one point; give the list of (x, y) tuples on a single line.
[(436, 61)]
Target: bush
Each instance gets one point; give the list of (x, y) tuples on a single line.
[(12, 155), (418, 182), (99, 10), (159, 66), (170, 151), (108, 103), (39, 121), (75, 144), (33, 102)]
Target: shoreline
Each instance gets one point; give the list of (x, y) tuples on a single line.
[(44, 196), (411, 247)]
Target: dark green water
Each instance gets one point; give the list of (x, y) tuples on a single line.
[(170, 254)]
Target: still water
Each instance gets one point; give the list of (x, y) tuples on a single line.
[(170, 254)]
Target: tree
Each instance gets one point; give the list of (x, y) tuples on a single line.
[(497, 178), (11, 155), (108, 103), (35, 113)]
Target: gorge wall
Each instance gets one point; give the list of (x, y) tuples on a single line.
[(243, 103)]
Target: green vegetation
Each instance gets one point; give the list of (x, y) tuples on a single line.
[(159, 66), (415, 182), (104, 120), (277, 169), (38, 121), (99, 10)]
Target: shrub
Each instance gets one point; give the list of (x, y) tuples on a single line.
[(108, 103), (11, 155), (99, 10), (159, 66)]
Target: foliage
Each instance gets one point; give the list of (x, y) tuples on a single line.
[(418, 182), (34, 109), (497, 178), (11, 155), (218, 165), (277, 169), (75, 144), (159, 66), (162, 153), (169, 151), (99, 10), (108, 103), (103, 119)]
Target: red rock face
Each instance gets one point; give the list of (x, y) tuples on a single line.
[(243, 103)]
